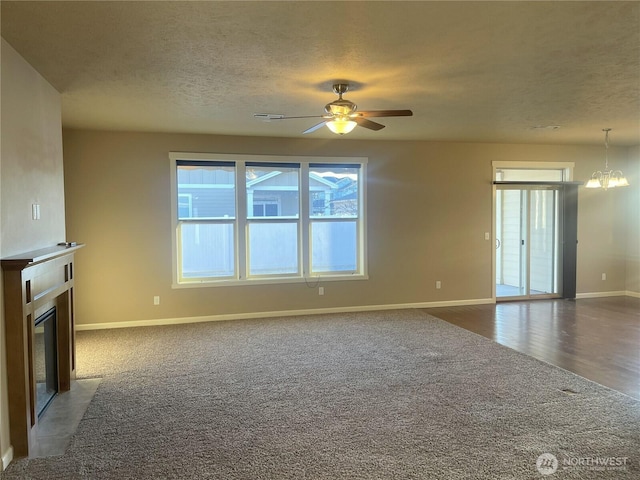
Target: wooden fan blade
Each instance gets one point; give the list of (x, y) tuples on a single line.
[(363, 122), (315, 127), (384, 113)]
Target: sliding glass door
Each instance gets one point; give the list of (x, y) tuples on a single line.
[(527, 241)]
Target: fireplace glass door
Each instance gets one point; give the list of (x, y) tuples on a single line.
[(45, 367)]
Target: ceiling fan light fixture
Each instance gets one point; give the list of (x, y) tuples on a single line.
[(341, 125), (342, 115)]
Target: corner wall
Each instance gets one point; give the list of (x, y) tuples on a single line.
[(31, 171), (633, 222)]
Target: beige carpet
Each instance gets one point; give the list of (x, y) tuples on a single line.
[(378, 395)]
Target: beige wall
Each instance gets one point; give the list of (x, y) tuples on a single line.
[(30, 172), (633, 222), (603, 227), (31, 157), (429, 205)]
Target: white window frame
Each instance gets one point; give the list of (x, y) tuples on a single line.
[(566, 167), (242, 218)]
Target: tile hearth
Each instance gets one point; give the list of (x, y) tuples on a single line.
[(62, 417)]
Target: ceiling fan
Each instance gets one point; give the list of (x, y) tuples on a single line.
[(342, 115)]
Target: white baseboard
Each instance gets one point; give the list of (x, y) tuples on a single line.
[(7, 458), (619, 293), (633, 294), (285, 313)]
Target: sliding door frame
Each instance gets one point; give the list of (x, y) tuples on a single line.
[(568, 198), (525, 236)]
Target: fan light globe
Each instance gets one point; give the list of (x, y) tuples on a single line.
[(341, 125)]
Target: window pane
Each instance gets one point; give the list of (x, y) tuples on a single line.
[(206, 191), (333, 191), (333, 246), (207, 250), (273, 248), (184, 205), (532, 175), (272, 191)]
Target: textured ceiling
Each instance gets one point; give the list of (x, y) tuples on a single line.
[(470, 71)]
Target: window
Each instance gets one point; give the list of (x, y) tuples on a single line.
[(262, 219), (532, 171), (265, 208), (334, 215), (206, 219), (272, 232)]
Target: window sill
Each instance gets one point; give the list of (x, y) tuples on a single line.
[(309, 281)]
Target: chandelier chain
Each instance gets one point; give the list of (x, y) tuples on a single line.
[(606, 148)]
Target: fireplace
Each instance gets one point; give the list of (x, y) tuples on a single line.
[(39, 335), (45, 360)]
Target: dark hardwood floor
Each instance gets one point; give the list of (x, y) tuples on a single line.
[(596, 338)]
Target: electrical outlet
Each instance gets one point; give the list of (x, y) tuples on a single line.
[(438, 284), (604, 276), (156, 300), (320, 290)]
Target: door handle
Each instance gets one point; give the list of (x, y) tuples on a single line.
[(498, 243)]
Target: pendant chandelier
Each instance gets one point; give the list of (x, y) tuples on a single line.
[(607, 178)]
